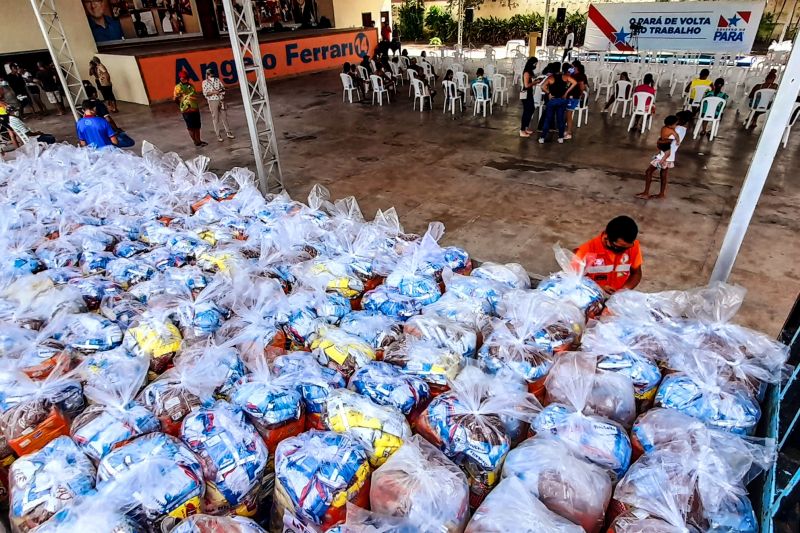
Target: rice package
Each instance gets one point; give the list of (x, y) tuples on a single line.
[(380, 429), (570, 285), (422, 485), (312, 380), (316, 474), (340, 350), (46, 481), (157, 477), (36, 412), (445, 333), (233, 455), (568, 485), (203, 523), (378, 330), (598, 439), (467, 424), (112, 418), (426, 360), (511, 274), (273, 404), (511, 507), (386, 384)]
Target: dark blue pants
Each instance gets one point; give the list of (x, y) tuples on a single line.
[(527, 113), (556, 110)]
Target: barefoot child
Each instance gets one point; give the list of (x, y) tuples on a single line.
[(668, 142)]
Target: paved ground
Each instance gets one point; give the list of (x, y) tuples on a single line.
[(509, 199)]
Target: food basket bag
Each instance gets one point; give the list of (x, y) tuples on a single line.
[(386, 384)]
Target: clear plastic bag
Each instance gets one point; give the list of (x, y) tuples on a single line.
[(381, 429), (89, 332), (568, 485), (157, 477), (113, 369), (99, 511), (570, 285), (233, 455), (155, 337), (385, 384), (426, 360), (377, 329), (47, 481), (312, 380), (112, 418), (598, 439), (445, 333), (340, 350), (488, 291), (122, 309), (254, 326), (421, 484), (511, 274), (468, 312), (362, 521), (511, 507), (202, 523), (316, 474), (469, 424)]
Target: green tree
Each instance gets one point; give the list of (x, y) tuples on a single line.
[(440, 24), (411, 16)]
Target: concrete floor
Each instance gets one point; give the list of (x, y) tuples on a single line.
[(505, 198)]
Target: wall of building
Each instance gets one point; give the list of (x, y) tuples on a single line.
[(348, 12), (127, 80)]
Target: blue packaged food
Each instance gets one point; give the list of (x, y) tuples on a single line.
[(126, 272), (94, 288), (113, 368), (446, 333), (390, 302), (163, 258), (191, 276), (101, 428), (314, 381), (340, 350), (512, 275), (58, 253), (426, 360), (121, 308), (316, 474), (95, 262), (187, 245), (129, 248), (44, 482), (377, 329), (89, 332), (62, 275), (385, 384), (233, 455), (488, 291)]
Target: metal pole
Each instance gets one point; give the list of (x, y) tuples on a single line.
[(461, 25), (546, 25), (776, 121), (242, 29), (56, 41)]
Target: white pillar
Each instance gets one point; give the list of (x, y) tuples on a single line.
[(768, 143), (461, 25), (546, 24)]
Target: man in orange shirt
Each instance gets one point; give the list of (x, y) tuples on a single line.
[(614, 258)]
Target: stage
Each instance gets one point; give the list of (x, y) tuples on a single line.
[(147, 73)]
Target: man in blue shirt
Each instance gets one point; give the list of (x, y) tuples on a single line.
[(104, 28), (93, 130)]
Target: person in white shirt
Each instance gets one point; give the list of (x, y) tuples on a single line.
[(214, 92), (569, 43)]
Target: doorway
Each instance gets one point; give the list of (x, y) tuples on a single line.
[(366, 20)]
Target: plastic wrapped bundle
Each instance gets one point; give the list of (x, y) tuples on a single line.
[(659, 427), (203, 315), (94, 288), (641, 522), (511, 274), (36, 354), (187, 244), (99, 511), (154, 336), (568, 485), (426, 360), (377, 329), (253, 328), (340, 350), (380, 429), (233, 456), (122, 309), (112, 418), (316, 474), (46, 481), (92, 263), (128, 249), (312, 380), (468, 425), (189, 384), (704, 391), (385, 384), (111, 369), (190, 276), (309, 310), (157, 477), (469, 312), (570, 285), (126, 272), (445, 333), (228, 365), (330, 275), (362, 521), (92, 333), (36, 412), (389, 302), (422, 485), (33, 301), (611, 395), (598, 439), (511, 507), (272, 404), (58, 253), (202, 523), (488, 291)]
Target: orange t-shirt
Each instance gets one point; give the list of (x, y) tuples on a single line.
[(607, 268)]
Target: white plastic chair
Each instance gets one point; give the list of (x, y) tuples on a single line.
[(428, 68), (500, 88), (451, 96), (606, 82), (412, 76), (372, 65), (462, 84), (348, 88), (517, 67), (405, 61), (538, 99), (762, 101), (457, 67), (642, 102), (396, 74), (363, 73), (420, 94), (694, 103), (378, 89), (488, 51), (792, 120), (711, 109), (582, 111), (481, 93), (622, 90), (490, 70)]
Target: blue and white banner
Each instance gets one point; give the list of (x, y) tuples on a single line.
[(689, 26)]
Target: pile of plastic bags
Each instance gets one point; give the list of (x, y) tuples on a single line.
[(180, 353)]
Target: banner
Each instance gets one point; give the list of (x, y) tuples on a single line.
[(690, 26), (285, 57)]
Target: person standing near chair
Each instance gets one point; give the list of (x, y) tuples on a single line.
[(103, 81), (51, 86), (558, 86), (214, 91), (528, 107), (569, 43), (578, 75), (185, 96), (717, 92)]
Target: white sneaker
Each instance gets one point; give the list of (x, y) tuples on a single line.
[(541, 140), (219, 138), (561, 141)]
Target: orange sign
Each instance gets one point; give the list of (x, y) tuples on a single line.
[(286, 57)]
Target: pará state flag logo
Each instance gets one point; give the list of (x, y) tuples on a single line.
[(730, 29)]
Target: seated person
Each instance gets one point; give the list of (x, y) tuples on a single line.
[(699, 85), (481, 78), (17, 128), (768, 83), (100, 107)]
